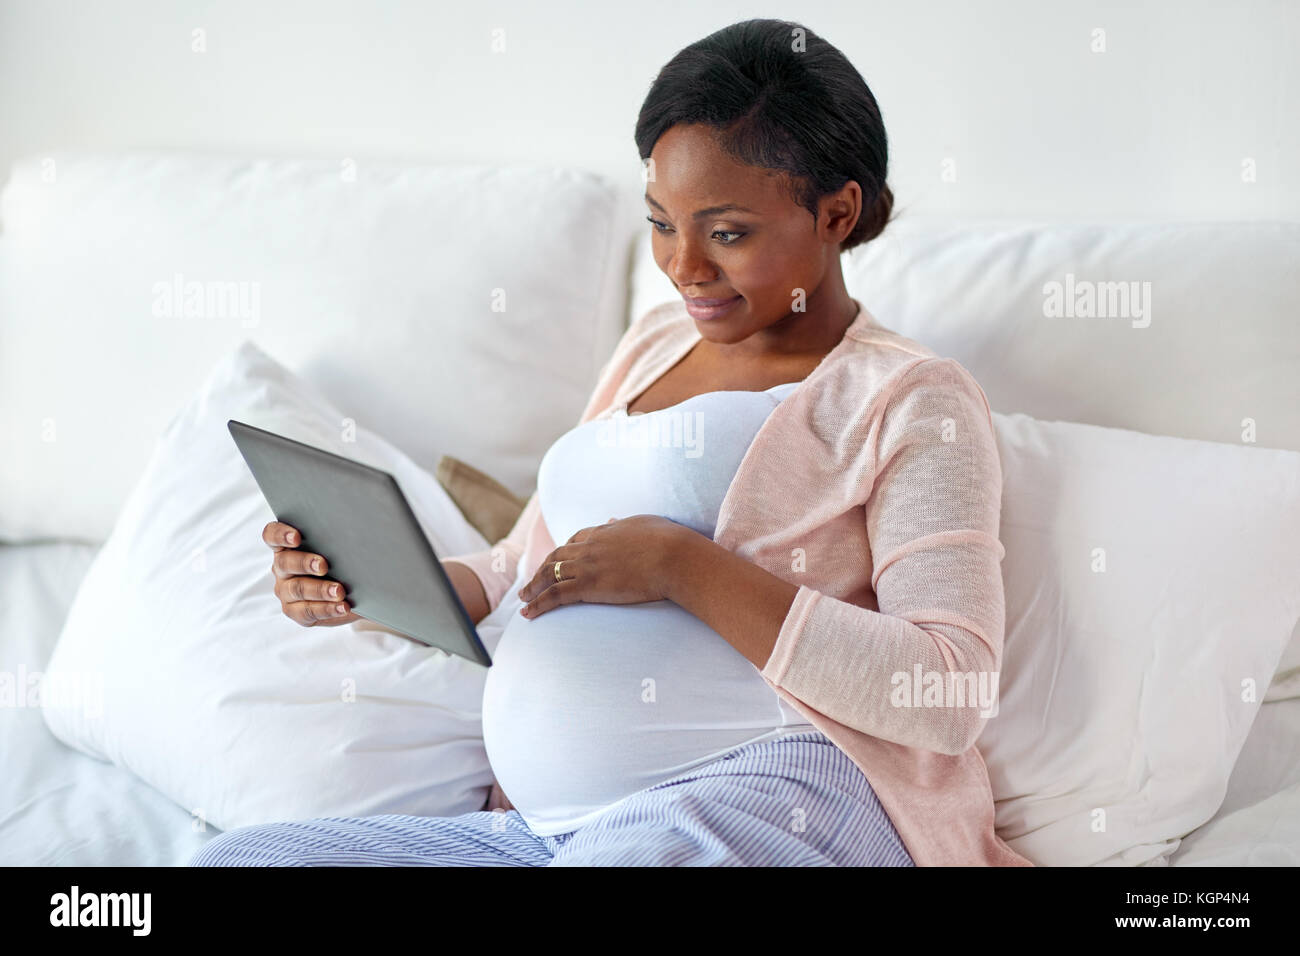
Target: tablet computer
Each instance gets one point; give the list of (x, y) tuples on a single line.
[(357, 518)]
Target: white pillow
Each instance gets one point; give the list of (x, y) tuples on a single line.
[(212, 695), (1126, 693), (399, 290)]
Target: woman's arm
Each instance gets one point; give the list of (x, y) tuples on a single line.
[(493, 569), (932, 519), (469, 588), (706, 579)]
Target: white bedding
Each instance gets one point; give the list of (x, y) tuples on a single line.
[(1259, 821), (60, 807)]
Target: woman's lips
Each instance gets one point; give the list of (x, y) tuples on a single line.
[(709, 308)]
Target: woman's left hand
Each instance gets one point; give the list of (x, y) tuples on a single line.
[(624, 561)]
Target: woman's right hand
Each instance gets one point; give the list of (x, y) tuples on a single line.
[(306, 596)]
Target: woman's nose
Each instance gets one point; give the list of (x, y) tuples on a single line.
[(690, 267)]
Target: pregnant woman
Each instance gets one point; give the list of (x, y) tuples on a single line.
[(746, 616)]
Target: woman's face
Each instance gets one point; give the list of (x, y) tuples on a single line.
[(762, 253)]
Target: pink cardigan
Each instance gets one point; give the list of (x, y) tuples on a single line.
[(875, 486)]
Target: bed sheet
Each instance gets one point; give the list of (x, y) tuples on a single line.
[(59, 806), (1259, 821)]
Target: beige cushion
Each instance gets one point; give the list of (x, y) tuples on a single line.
[(486, 504)]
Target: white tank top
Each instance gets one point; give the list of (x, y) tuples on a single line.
[(590, 703)]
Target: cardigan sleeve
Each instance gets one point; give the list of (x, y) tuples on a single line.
[(932, 519), (496, 567)]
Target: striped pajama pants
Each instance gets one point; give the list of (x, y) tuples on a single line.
[(795, 800)]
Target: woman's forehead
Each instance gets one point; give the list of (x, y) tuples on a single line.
[(692, 174)]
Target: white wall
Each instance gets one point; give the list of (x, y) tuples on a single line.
[(1035, 124)]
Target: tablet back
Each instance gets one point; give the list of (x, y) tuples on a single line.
[(357, 518)]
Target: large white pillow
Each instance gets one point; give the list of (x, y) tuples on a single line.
[(1152, 584), (205, 690), (459, 310)]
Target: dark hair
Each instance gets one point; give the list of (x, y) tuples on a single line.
[(799, 108)]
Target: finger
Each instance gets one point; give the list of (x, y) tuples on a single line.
[(289, 563), (303, 588), (277, 534), (545, 574), (535, 584), (582, 534), (310, 613), (568, 591)]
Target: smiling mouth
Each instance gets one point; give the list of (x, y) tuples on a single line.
[(718, 309), (709, 303)]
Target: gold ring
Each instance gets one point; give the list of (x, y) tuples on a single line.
[(557, 570)]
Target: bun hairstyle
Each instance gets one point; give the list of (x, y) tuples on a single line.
[(781, 98)]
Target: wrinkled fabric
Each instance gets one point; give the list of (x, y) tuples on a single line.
[(796, 801)]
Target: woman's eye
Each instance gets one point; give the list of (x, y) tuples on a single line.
[(661, 227)]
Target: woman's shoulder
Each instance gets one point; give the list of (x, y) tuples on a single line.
[(877, 351), (869, 334), (654, 338), (883, 373), (657, 327), (659, 317), (650, 340)]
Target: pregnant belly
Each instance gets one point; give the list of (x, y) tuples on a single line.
[(590, 703)]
